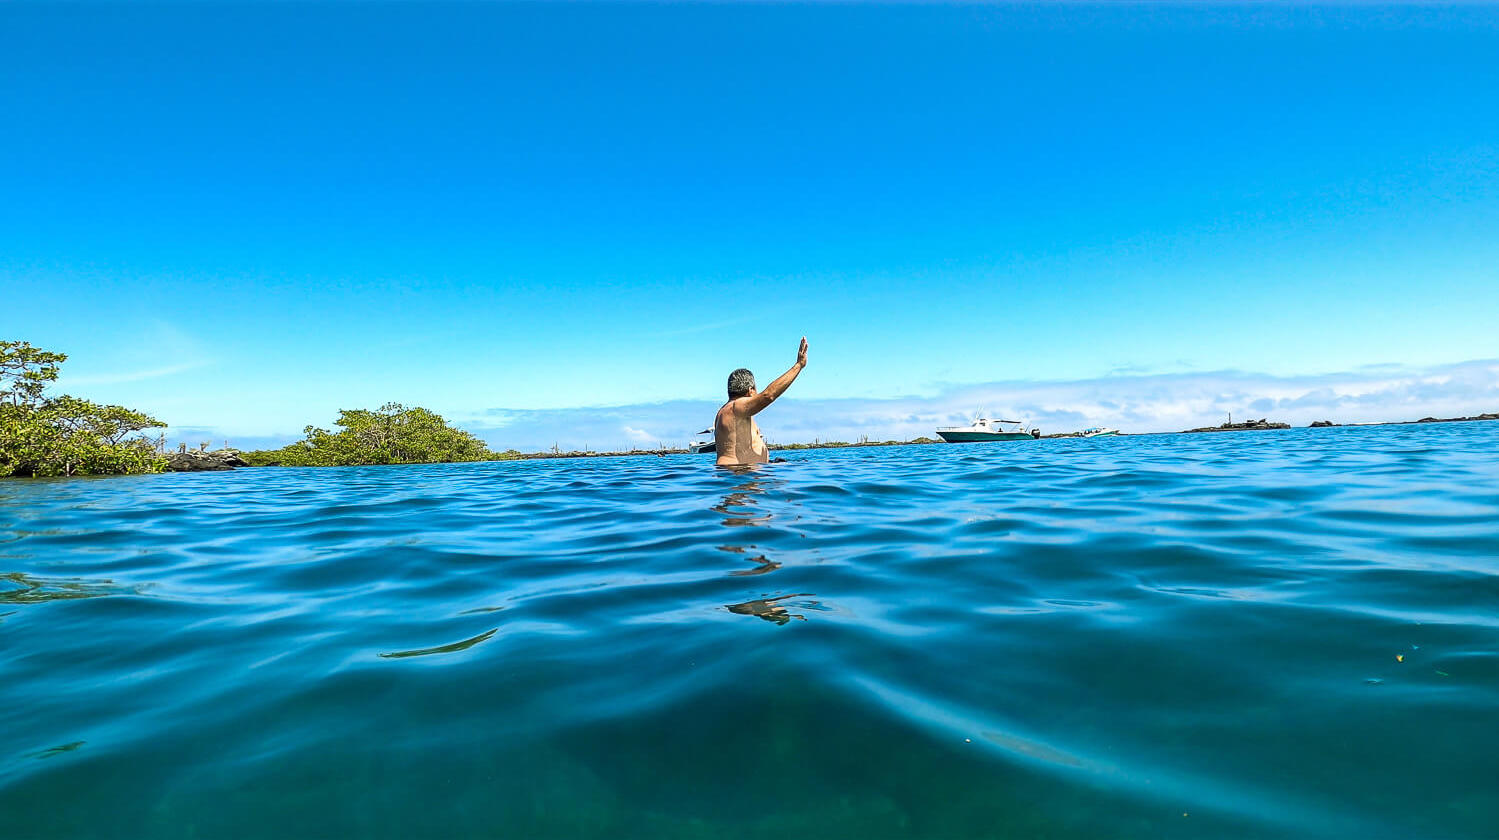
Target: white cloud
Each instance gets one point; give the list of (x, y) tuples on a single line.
[(639, 435)]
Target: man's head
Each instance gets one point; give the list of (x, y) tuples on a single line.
[(741, 383)]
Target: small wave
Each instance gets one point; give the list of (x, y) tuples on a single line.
[(1275, 637)]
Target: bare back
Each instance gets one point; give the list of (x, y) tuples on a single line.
[(734, 429), (738, 435)]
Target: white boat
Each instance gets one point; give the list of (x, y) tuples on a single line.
[(982, 429), (701, 445), (1097, 432)]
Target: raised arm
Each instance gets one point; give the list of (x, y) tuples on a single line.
[(757, 403)]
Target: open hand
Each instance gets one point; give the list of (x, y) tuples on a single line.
[(801, 353)]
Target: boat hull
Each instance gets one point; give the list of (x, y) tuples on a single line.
[(979, 437)]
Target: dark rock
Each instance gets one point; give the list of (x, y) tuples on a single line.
[(1458, 419), (194, 462), (1322, 424), (223, 459), (1248, 425)]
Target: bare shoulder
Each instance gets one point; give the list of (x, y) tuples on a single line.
[(736, 407), (726, 416)]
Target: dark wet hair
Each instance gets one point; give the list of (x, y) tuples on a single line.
[(741, 382)]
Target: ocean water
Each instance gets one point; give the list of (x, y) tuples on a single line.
[(1274, 634)]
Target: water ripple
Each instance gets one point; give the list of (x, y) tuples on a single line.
[(1287, 634)]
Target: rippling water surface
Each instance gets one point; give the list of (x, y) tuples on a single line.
[(1275, 634)]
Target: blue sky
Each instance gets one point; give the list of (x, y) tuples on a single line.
[(567, 222)]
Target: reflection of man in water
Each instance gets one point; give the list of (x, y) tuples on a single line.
[(768, 609), (734, 428)]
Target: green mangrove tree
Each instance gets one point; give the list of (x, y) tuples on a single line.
[(391, 434), (65, 435)]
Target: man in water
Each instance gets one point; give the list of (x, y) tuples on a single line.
[(734, 428)]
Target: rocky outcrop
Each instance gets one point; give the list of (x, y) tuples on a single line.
[(223, 459), (1322, 424), (1247, 426), (1458, 419)]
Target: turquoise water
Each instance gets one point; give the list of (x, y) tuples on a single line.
[(1274, 634)]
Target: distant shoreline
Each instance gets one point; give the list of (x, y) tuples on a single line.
[(227, 459), (1263, 425), (1248, 426)]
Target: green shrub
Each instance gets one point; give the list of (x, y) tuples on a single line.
[(49, 436), (391, 434)]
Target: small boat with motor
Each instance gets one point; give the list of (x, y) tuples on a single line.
[(982, 429), (701, 445), (1098, 432)]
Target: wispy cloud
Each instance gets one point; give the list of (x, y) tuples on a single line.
[(67, 381), (1140, 403), (158, 350)]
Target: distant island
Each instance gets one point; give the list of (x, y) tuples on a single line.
[(204, 460), (1246, 426), (1262, 424), (1249, 425), (1325, 423)]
